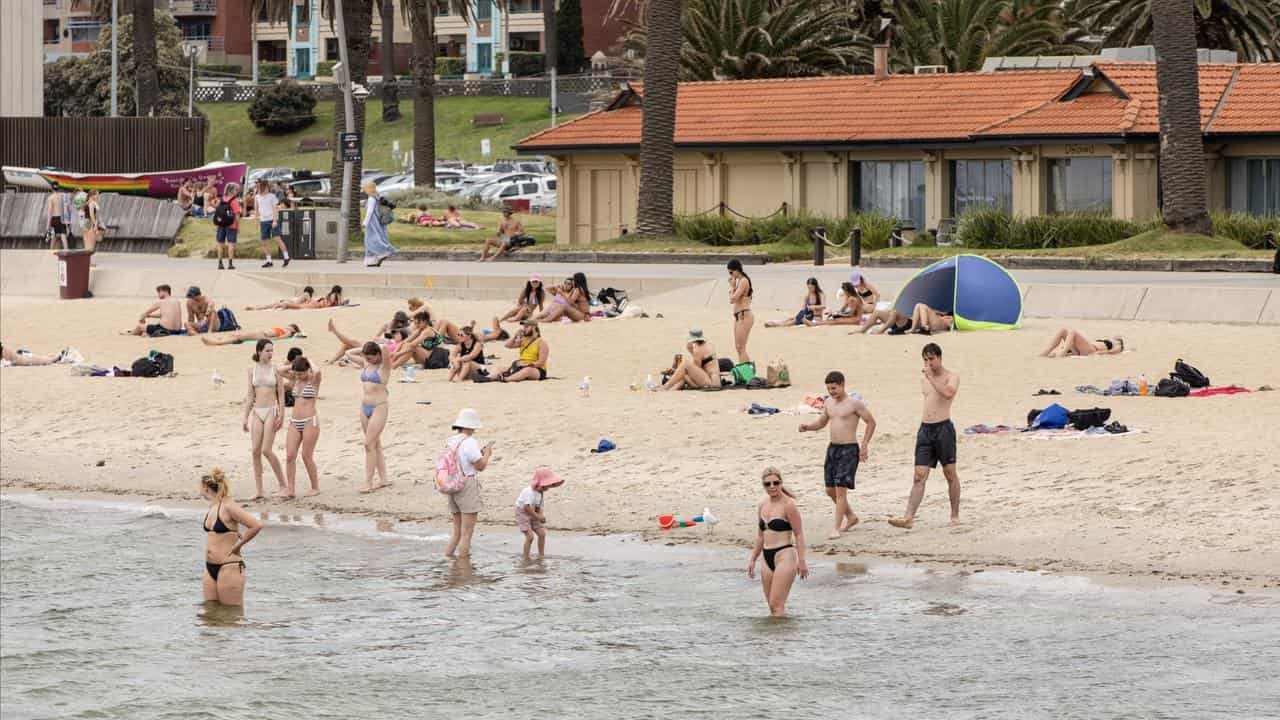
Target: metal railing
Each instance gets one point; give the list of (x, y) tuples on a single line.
[(513, 87), (193, 7), (212, 42)]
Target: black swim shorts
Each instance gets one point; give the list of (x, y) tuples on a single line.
[(841, 466), (157, 330), (936, 444)]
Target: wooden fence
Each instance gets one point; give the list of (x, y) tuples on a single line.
[(134, 224), (103, 144)]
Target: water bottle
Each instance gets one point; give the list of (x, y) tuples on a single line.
[(649, 384), (408, 372), (1142, 384), (585, 387)]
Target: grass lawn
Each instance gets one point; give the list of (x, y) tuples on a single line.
[(1153, 244), (455, 138)]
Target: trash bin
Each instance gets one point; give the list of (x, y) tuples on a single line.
[(298, 230), (73, 274)]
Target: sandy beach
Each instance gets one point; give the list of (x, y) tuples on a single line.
[(1191, 498)]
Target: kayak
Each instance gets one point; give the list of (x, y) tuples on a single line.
[(154, 184)]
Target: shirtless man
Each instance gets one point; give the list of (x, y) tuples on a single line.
[(510, 229), (936, 439), (201, 315), (844, 453), (168, 309)]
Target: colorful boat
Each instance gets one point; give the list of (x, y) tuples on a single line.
[(162, 184)]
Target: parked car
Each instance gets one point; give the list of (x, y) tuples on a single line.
[(540, 191), (311, 186), (479, 189), (270, 174), (446, 181)]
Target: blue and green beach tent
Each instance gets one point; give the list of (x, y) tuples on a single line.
[(979, 292)]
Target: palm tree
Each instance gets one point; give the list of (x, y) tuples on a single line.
[(1182, 163), (654, 212), (421, 18), (1248, 27), (146, 76), (357, 16), (390, 96), (961, 34)]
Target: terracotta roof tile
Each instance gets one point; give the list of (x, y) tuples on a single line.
[(1253, 102), (1138, 81)]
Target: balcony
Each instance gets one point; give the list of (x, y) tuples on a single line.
[(192, 7), (213, 42), (525, 7)]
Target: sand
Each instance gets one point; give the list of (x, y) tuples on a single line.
[(1194, 498)]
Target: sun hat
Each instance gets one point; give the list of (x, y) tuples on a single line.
[(468, 419), (855, 277), (695, 335), (193, 292), (535, 278), (544, 478)]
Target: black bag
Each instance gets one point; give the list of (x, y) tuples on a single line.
[(612, 296), (163, 362), (222, 215), (726, 365), (1189, 375), (145, 367), (1172, 387), (1085, 419), (227, 320), (438, 359)]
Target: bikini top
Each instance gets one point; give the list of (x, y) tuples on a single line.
[(864, 293), (307, 391), (259, 381), (776, 525), (219, 527), (376, 377)]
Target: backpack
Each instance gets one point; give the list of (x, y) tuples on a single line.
[(438, 359), (1085, 419), (223, 216), (1172, 387), (449, 477), (744, 373), (1189, 375), (154, 364), (612, 296), (163, 362), (227, 320)]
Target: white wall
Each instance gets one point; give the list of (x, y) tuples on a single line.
[(21, 58)]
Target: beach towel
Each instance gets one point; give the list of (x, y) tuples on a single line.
[(984, 429), (1223, 390), (1080, 434), (1117, 387), (757, 409)]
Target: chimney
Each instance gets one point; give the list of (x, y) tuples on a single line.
[(881, 55)]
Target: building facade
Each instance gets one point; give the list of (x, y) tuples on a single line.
[(218, 29), (21, 59), (308, 39), (921, 148)]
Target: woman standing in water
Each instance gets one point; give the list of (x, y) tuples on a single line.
[(223, 566), (780, 538), (740, 292), (373, 412), (466, 504), (304, 427), (264, 414)]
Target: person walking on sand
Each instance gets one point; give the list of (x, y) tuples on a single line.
[(740, 292), (264, 414), (936, 438), (780, 539), (530, 519), (466, 504), (223, 566), (266, 204), (304, 428), (58, 220), (167, 309), (377, 246), (373, 412), (843, 453)]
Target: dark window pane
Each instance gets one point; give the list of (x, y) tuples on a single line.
[(1080, 185)]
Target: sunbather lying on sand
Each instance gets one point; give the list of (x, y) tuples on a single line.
[(240, 336), (1073, 342), (13, 358), (304, 297)]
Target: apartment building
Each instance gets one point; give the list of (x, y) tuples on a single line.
[(307, 40), (219, 29), (21, 69)]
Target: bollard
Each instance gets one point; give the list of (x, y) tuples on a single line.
[(1270, 238), (819, 244), (855, 247)]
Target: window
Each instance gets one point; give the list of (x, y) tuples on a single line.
[(892, 188), (1080, 185), (84, 31), (528, 188), (1253, 185), (981, 183), (509, 191), (551, 184), (331, 49), (51, 32), (304, 14), (484, 10)]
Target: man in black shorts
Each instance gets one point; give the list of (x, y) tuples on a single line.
[(843, 454), (936, 438)]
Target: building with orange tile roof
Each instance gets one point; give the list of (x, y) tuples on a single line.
[(921, 148)]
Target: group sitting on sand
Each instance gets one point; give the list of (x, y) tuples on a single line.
[(202, 315)]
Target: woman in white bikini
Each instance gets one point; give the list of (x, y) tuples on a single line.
[(264, 414), (780, 539), (740, 292), (223, 566), (304, 427), (373, 412)]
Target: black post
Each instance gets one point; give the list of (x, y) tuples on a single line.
[(819, 244), (1270, 238), (855, 247)]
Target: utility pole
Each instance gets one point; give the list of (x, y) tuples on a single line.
[(115, 57), (191, 52), (253, 47), (348, 105), (554, 99)]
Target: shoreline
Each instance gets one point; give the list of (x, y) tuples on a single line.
[(1125, 579)]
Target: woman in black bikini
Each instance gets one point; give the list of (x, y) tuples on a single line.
[(701, 370), (467, 356), (1073, 342), (780, 538), (223, 566), (740, 292)]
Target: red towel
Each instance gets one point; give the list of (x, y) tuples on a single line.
[(1225, 390)]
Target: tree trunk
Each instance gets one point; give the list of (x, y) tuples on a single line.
[(358, 15), (1183, 181), (390, 93), (654, 214), (147, 77), (424, 100)]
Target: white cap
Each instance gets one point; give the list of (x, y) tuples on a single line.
[(468, 418)]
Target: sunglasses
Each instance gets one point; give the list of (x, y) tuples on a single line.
[(773, 483)]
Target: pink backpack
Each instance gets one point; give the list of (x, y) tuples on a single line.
[(449, 477)]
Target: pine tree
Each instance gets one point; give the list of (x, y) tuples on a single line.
[(569, 36)]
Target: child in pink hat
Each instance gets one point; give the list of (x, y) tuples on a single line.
[(529, 517)]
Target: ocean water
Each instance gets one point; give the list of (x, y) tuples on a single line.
[(101, 617)]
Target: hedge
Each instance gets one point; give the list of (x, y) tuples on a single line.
[(450, 66), (525, 63), (324, 68), (283, 107), (1246, 229), (717, 230), (986, 228), (270, 70), (221, 69)]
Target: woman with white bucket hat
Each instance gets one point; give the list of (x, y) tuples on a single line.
[(466, 504)]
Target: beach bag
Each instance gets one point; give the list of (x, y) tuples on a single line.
[(144, 367), (1189, 375), (1054, 417), (449, 477), (744, 373), (163, 361), (1085, 419), (227, 320), (222, 215), (1172, 387), (438, 359), (778, 375)]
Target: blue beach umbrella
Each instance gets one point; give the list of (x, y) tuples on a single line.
[(979, 292)]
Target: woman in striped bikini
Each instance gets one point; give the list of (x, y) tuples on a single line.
[(304, 427)]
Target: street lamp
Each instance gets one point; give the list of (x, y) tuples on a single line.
[(190, 51)]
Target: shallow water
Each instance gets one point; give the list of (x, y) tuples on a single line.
[(100, 617)]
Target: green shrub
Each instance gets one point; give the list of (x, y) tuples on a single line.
[(220, 69), (283, 107), (450, 66), (1246, 229), (270, 70), (527, 63), (792, 229), (423, 198), (986, 228), (324, 68)]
